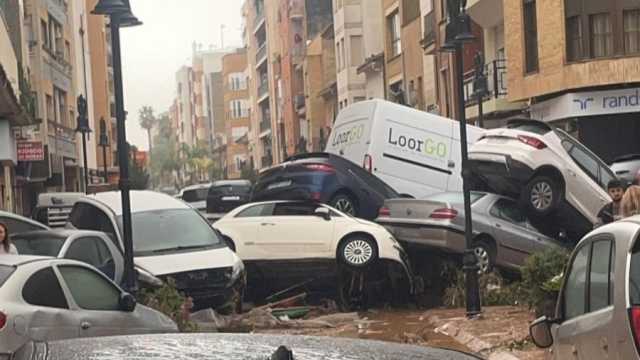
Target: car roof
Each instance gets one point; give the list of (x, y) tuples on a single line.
[(231, 182), (17, 260), (141, 201), (56, 234)]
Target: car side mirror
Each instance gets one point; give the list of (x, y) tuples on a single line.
[(127, 302), (540, 331), (323, 212)]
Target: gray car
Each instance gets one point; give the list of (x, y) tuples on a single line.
[(626, 167), (44, 299), (503, 235), (598, 308)]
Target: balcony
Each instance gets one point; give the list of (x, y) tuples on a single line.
[(261, 54), (263, 90), (259, 20), (265, 125), (62, 140)]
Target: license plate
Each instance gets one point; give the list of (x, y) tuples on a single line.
[(230, 198), (279, 185)]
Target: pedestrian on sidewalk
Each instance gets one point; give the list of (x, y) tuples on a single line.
[(612, 211), (6, 247), (631, 201)]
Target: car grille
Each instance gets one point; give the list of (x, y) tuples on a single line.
[(201, 279)]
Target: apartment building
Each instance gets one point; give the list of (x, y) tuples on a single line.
[(576, 63), (347, 23), (185, 109), (373, 49), (237, 111)]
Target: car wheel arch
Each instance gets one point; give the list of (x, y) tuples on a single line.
[(350, 235)]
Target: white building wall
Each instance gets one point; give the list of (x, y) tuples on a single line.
[(428, 65), (348, 23)]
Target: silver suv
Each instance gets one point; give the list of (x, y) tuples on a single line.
[(598, 309)]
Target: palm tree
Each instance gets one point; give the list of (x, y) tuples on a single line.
[(147, 121)]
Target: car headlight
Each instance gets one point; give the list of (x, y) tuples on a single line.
[(238, 270)]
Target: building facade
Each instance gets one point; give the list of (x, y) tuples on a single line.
[(347, 23), (237, 111)]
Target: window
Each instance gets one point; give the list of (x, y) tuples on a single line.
[(43, 289), (85, 250), (44, 34), (600, 275), (17, 226), (88, 217), (631, 31), (601, 35), (256, 211), (49, 105), (393, 29), (237, 81), (238, 109), (49, 246), (101, 295), (530, 36), (294, 209), (508, 211), (574, 38), (582, 158), (357, 56), (574, 299)]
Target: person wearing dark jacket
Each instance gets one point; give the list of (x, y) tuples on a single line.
[(612, 211)]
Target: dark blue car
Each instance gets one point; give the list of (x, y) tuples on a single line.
[(325, 178)]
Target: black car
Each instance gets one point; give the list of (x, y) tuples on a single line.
[(226, 195), (326, 178)]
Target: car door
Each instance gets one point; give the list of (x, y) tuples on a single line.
[(294, 232), (242, 229), (515, 239), (586, 303), (50, 317), (96, 300), (98, 252)]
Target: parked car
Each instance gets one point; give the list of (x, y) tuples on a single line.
[(225, 195), (598, 310), (503, 235), (548, 170), (415, 152), (626, 167), (91, 247), (49, 299), (274, 237), (19, 224), (53, 208), (231, 347), (170, 240), (195, 195), (325, 178)]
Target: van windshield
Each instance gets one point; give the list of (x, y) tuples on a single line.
[(160, 232)]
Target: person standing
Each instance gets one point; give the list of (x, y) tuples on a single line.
[(612, 211), (6, 247), (631, 201)]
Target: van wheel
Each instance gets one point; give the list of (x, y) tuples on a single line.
[(345, 204), (541, 195)]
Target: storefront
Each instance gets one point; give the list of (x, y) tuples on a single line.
[(607, 121)]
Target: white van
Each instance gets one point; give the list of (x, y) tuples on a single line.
[(415, 152)]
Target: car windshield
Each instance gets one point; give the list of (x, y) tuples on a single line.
[(39, 246), (165, 231), (454, 197), (5, 272), (195, 195)]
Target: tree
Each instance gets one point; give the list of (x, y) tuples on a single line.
[(138, 175), (147, 121)]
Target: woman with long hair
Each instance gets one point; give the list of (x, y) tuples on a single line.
[(631, 201), (6, 247)]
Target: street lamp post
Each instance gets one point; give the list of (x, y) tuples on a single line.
[(119, 13), (104, 142), (84, 129), (457, 33)]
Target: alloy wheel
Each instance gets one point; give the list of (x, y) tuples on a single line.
[(358, 252), (483, 259), (345, 206), (541, 196)]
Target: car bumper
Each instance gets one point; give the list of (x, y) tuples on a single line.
[(440, 237)]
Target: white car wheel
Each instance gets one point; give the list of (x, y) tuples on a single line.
[(541, 196), (358, 252)]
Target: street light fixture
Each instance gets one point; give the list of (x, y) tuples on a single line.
[(457, 33), (119, 13), (104, 143)]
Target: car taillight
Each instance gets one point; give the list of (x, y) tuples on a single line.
[(444, 214), (384, 211), (635, 324), (320, 167), (316, 195), (531, 141), (368, 163), (3, 320)]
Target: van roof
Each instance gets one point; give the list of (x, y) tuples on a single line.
[(141, 201)]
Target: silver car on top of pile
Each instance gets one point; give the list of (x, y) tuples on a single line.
[(503, 235)]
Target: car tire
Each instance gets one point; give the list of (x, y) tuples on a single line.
[(344, 203), (541, 196), (485, 255), (357, 252)]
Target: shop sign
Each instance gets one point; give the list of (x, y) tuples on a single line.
[(30, 150)]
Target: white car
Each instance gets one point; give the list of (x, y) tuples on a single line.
[(195, 195), (550, 171), (44, 298), (298, 240), (170, 240)]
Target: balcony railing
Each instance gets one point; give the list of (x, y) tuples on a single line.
[(429, 36), (496, 72), (263, 89), (265, 125), (62, 140), (259, 17), (261, 53)]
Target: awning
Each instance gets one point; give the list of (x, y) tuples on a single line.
[(9, 105)]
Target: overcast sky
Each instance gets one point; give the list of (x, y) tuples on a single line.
[(153, 52)]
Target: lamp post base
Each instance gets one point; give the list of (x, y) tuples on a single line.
[(470, 268)]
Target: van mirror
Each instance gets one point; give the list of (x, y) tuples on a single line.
[(323, 212), (540, 331)]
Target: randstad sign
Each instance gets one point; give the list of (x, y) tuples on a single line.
[(588, 104)]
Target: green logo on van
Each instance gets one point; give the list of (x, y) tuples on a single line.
[(348, 137), (427, 146)]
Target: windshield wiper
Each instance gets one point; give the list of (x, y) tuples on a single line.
[(179, 248)]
